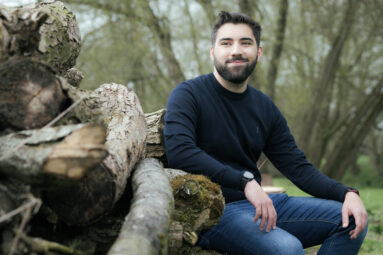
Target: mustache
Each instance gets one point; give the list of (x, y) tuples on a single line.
[(237, 59)]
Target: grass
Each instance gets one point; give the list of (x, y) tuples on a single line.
[(371, 197)]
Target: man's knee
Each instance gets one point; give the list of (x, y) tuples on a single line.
[(285, 245)]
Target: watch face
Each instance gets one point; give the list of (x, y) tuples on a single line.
[(248, 175)]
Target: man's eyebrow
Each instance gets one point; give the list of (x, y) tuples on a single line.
[(246, 39), (226, 39)]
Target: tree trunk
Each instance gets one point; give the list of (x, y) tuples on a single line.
[(47, 32), (146, 226), (119, 110), (310, 139), (52, 157), (30, 95), (353, 134), (277, 48)]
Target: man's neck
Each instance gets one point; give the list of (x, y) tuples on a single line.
[(233, 87)]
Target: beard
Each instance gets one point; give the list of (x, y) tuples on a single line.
[(236, 74)]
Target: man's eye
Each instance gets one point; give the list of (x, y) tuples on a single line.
[(246, 43), (225, 43)]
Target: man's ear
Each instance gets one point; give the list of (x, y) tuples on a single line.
[(212, 53), (260, 52)]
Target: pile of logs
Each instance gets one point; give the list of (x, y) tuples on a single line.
[(79, 166)]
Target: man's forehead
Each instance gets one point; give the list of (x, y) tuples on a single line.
[(234, 31)]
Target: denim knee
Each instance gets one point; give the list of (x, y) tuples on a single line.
[(285, 245)]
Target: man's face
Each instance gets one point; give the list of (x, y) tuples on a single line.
[(235, 52)]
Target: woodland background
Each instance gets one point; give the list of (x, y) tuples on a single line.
[(322, 65)]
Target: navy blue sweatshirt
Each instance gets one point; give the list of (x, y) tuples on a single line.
[(220, 134)]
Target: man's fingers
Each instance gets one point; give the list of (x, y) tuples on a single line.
[(356, 232), (258, 213), (265, 217), (344, 217), (271, 219)]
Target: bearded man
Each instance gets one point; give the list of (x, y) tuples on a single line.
[(217, 125)]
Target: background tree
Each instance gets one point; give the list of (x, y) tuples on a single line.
[(322, 63)]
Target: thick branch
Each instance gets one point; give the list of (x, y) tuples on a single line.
[(146, 226)]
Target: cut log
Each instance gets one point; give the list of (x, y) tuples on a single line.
[(47, 32), (146, 226), (30, 95), (52, 157), (155, 139), (199, 205), (119, 110)]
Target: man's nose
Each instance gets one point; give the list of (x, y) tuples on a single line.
[(236, 49)]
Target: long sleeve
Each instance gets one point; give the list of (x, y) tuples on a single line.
[(181, 123), (283, 152)]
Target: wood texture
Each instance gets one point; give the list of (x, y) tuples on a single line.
[(30, 95), (52, 157), (155, 139), (146, 226), (119, 110), (45, 32)]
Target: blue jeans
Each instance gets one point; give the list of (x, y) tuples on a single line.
[(301, 222)]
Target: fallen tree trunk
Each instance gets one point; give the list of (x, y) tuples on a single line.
[(52, 157), (146, 226), (46, 32), (30, 95), (119, 110)]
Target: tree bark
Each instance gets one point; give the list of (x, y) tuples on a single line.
[(146, 226), (30, 95), (119, 110), (155, 139), (52, 157), (47, 32)]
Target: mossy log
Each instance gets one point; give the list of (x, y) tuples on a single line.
[(52, 157), (155, 140), (199, 205), (146, 226), (30, 94), (46, 32), (119, 110)]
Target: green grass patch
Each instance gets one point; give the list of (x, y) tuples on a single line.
[(372, 199)]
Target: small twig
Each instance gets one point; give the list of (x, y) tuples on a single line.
[(34, 202), (261, 165), (26, 217), (52, 122)]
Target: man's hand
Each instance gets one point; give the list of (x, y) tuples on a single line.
[(264, 207), (353, 206)]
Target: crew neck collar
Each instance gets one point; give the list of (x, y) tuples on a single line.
[(227, 93)]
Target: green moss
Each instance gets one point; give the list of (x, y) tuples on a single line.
[(193, 194)]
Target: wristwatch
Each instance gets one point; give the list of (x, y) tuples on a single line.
[(246, 177), (353, 190)]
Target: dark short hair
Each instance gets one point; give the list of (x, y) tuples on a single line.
[(236, 18)]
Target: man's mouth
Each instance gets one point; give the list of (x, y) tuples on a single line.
[(237, 61)]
